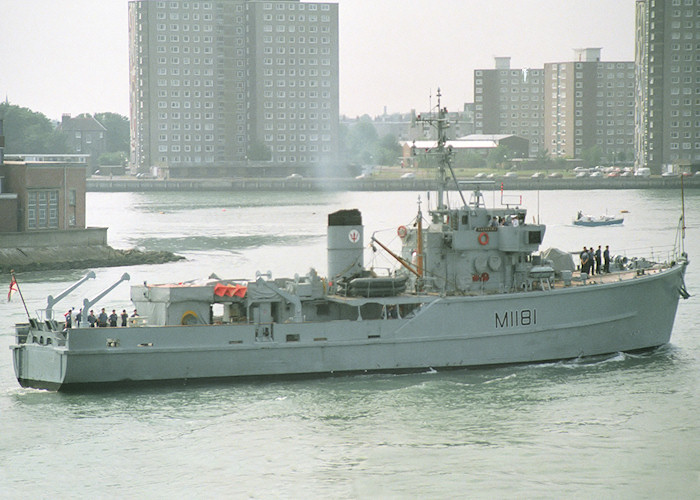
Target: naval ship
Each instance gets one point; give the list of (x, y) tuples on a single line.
[(470, 288)]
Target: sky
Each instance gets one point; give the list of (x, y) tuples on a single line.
[(72, 56)]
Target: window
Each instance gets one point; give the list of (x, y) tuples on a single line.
[(42, 209)]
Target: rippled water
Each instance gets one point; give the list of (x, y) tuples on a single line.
[(615, 426)]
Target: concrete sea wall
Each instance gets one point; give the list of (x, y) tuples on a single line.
[(72, 249), (371, 184)]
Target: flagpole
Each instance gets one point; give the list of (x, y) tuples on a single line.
[(12, 272)]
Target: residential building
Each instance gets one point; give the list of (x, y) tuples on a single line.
[(572, 109), (510, 101), (589, 106), (667, 107), (234, 87), (85, 135)]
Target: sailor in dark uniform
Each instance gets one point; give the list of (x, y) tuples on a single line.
[(585, 260)]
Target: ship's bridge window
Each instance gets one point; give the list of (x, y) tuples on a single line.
[(465, 219), (534, 237)]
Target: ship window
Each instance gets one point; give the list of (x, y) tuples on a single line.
[(293, 337), (465, 219), (534, 237)]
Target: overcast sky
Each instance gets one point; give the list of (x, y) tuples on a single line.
[(71, 56)]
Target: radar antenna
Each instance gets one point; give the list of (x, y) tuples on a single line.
[(444, 155)]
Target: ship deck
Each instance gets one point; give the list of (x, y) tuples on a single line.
[(533, 285), (611, 277)]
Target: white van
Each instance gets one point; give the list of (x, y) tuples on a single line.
[(642, 172)]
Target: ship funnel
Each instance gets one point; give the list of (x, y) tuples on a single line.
[(345, 244)]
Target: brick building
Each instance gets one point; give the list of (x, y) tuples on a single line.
[(42, 195)]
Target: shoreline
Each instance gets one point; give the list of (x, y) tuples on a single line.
[(328, 184)]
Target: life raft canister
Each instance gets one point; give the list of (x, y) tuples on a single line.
[(402, 232), (483, 239), (484, 277)]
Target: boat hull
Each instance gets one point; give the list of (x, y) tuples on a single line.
[(446, 332), (593, 223)]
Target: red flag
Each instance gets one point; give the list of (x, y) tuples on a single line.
[(13, 288)]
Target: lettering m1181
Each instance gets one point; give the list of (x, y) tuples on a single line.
[(509, 319)]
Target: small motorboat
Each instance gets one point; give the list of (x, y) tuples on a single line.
[(600, 220)]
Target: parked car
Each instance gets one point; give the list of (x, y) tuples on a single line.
[(556, 175), (537, 175), (362, 176), (408, 175), (294, 177), (596, 174), (642, 172), (511, 175), (480, 175), (582, 174), (579, 170), (613, 174)]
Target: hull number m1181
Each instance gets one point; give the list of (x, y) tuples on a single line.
[(524, 317)]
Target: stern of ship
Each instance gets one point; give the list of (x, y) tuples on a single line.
[(38, 356)]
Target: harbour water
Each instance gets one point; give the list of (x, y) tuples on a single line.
[(617, 426)]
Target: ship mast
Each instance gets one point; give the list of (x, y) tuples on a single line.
[(444, 157)]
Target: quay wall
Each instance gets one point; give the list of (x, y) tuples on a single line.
[(69, 249), (321, 184), (91, 236)]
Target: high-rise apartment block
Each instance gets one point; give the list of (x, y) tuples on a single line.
[(227, 87), (667, 57), (510, 101), (565, 109), (589, 105)]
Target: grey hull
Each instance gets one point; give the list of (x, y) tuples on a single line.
[(446, 332)]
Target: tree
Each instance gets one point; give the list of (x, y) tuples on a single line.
[(117, 134), (115, 158), (591, 156), (544, 159), (29, 132), (361, 141), (387, 150), (498, 157), (470, 160)]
